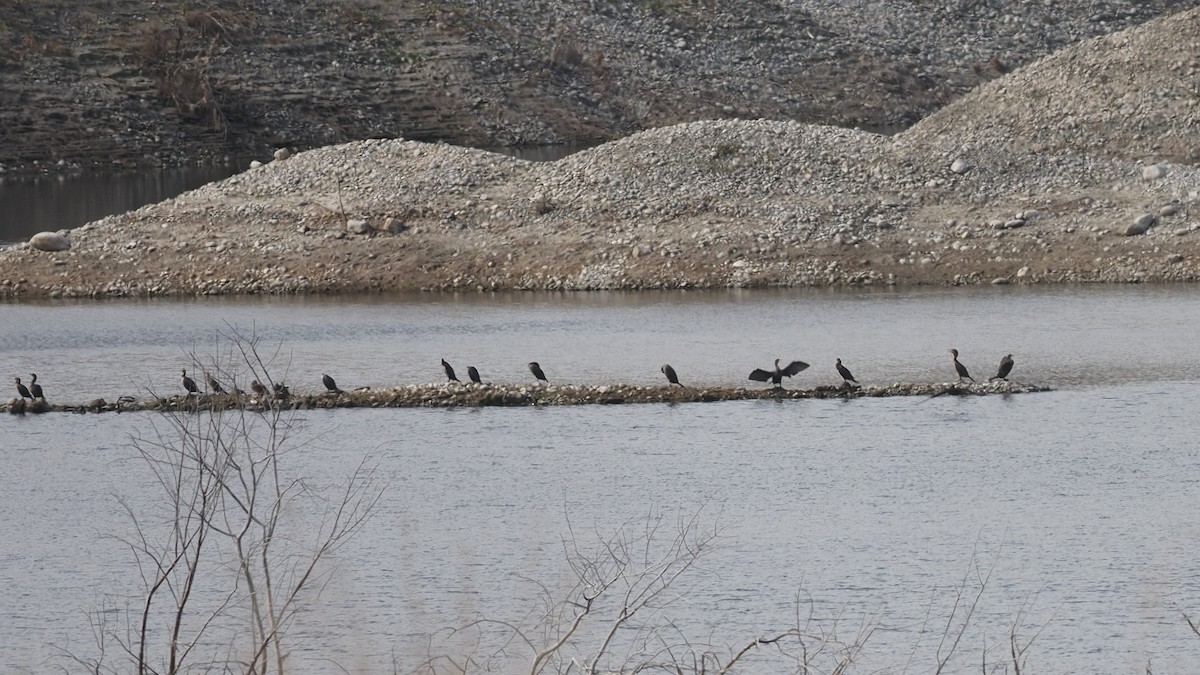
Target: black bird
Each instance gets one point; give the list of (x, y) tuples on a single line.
[(777, 374), (35, 388), (257, 389), (670, 373), (449, 371), (281, 391), (537, 371), (1006, 365), (845, 373), (960, 368), (23, 390), (330, 384), (188, 383), (213, 386), (473, 373)]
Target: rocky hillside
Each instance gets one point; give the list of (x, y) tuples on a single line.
[(127, 82)]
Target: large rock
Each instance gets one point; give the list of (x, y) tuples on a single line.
[(50, 241), (1140, 225)]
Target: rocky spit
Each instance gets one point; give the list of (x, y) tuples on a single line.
[(1079, 167), (443, 395)]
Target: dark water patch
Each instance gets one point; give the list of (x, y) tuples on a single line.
[(29, 205)]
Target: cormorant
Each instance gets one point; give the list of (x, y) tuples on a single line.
[(670, 373), (537, 371), (257, 389), (188, 383), (960, 368), (845, 373), (473, 373), (776, 376), (35, 388), (23, 390), (1006, 365), (330, 384), (213, 386), (449, 371)]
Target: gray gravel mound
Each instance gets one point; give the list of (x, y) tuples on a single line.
[(1133, 95)]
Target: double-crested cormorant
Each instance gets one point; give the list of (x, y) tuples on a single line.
[(777, 374), (188, 383), (670, 373), (213, 386), (1006, 365), (450, 376), (845, 373), (23, 390), (34, 388), (257, 389), (473, 373), (960, 368), (330, 384), (537, 371)]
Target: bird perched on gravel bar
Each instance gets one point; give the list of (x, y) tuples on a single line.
[(846, 375), (670, 373), (537, 371), (960, 368), (1006, 366), (777, 374)]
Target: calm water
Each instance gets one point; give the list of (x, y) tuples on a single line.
[(1079, 503), (55, 202), (32, 205)]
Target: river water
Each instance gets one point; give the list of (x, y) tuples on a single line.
[(1070, 515)]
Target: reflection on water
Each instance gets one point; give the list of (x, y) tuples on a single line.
[(1077, 505), (32, 205)]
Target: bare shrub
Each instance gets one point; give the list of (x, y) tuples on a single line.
[(223, 569), (617, 616)]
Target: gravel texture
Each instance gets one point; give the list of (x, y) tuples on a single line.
[(126, 82), (1079, 167)]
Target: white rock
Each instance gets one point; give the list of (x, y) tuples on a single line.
[(255, 164), (1023, 272), (357, 226), (50, 241), (394, 226), (960, 165), (282, 154), (1153, 172)]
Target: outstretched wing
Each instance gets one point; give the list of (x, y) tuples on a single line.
[(760, 375), (793, 368)]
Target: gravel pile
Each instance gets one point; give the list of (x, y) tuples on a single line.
[(992, 189)]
